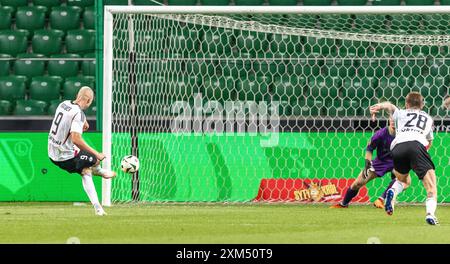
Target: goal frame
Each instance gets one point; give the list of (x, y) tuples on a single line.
[(109, 10)]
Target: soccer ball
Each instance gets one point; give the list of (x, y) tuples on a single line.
[(129, 164)]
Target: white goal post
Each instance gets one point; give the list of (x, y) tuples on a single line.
[(126, 119)]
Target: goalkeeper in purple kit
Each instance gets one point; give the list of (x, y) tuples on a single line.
[(374, 168)]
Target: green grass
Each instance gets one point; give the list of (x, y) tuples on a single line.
[(221, 223)]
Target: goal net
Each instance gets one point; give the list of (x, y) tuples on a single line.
[(239, 104)]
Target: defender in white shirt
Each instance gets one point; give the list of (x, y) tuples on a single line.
[(68, 150), (409, 151)]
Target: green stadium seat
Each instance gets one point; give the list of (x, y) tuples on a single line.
[(251, 42), (117, 2), (30, 107), (324, 87), (409, 23), (323, 46), (14, 3), (287, 87), (215, 2), (283, 2), (80, 41), (89, 18), (81, 3), (386, 2), (238, 65), (29, 65), (88, 67), (30, 18), (358, 88), (351, 2), (73, 84), (52, 107), (182, 2), (45, 89), (354, 48), (429, 86), (64, 66), (408, 66), (273, 64), (419, 2), (306, 66), (310, 107), (391, 89), (337, 67), (370, 22), (183, 41), (316, 2), (65, 18), (13, 42), (252, 89), (285, 44), (303, 21), (219, 88), (5, 18), (335, 22), (216, 41), (438, 66), (47, 42), (445, 2), (249, 2), (374, 67), (47, 3), (5, 107), (12, 88), (202, 66), (5, 64)]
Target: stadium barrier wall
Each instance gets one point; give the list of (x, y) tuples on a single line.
[(28, 175)]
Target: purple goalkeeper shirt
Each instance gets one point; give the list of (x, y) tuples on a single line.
[(381, 142)]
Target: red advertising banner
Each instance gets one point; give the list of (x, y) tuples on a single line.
[(307, 190)]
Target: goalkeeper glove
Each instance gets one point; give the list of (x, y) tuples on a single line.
[(368, 167)]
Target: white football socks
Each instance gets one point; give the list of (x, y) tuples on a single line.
[(89, 188), (431, 205), (397, 186)]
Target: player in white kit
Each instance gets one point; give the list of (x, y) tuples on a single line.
[(414, 133), (68, 150)]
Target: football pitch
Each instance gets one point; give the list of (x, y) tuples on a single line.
[(218, 224)]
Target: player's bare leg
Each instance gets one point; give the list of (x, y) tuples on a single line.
[(429, 182), (403, 181), (353, 190), (99, 171), (89, 188)]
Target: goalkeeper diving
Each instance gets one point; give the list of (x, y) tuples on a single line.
[(374, 168)]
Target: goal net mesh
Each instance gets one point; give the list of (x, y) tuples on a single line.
[(270, 108)]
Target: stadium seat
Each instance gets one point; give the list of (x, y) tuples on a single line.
[(337, 67), (45, 89), (29, 65), (391, 89), (5, 64), (287, 87), (429, 86), (5, 107), (30, 18), (88, 67), (269, 64), (13, 42), (305, 66), (358, 88), (323, 46), (351, 2), (30, 107), (52, 107), (216, 41), (89, 18), (47, 42), (183, 41), (317, 2), (409, 23), (283, 2), (198, 65), (324, 87), (419, 2), (386, 2), (374, 67), (354, 48), (5, 18), (145, 2), (63, 66), (14, 3), (49, 4), (12, 88), (408, 66), (249, 2), (215, 2), (285, 43), (81, 3), (65, 18), (219, 88), (445, 2), (182, 2), (251, 89), (303, 21), (438, 66), (251, 42), (335, 22), (80, 41), (73, 84)]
